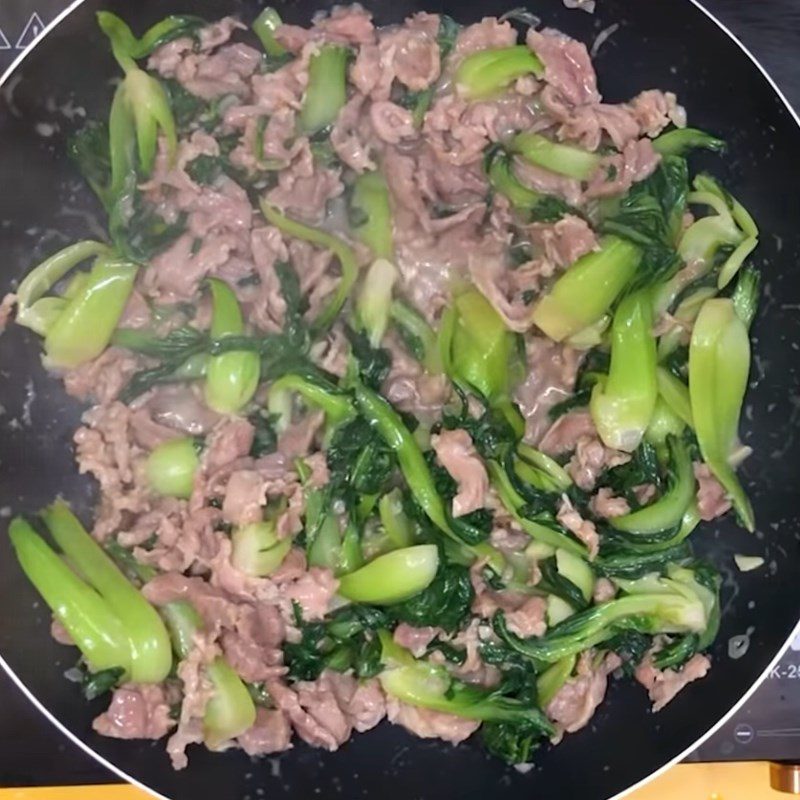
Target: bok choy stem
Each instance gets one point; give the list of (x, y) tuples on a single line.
[(264, 26), (564, 159), (151, 656), (487, 72), (84, 328), (587, 290), (91, 623), (231, 378), (32, 312), (392, 577), (719, 364), (342, 251), (327, 88), (622, 405)]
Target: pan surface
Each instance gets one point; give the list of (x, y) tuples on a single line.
[(668, 45)]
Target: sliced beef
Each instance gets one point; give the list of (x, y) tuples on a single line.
[(271, 733), (456, 452), (429, 724), (137, 711), (550, 378), (577, 700), (584, 529), (415, 639), (663, 685), (605, 504), (567, 66), (565, 241), (712, 500)]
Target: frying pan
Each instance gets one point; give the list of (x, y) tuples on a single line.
[(669, 45)]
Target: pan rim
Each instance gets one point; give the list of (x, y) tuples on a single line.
[(6, 78)]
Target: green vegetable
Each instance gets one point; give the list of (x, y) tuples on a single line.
[(697, 580), (651, 216), (685, 314), (346, 639), (732, 266), (564, 159), (360, 461), (94, 627), (96, 684), (676, 604), (587, 290), (370, 202), (34, 310), (374, 302), (632, 560), (664, 423), (88, 148), (705, 185), (445, 603), (486, 72), (396, 525), (553, 678), (116, 158), (171, 468), (109, 620), (513, 741), (675, 395), (151, 659), (371, 363), (337, 246), (680, 141), (719, 364), (230, 710), (142, 97), (478, 351), (730, 226), (515, 504), (745, 296), (385, 420), (502, 179), (315, 391), (421, 684), (127, 46), (322, 532), (184, 351), (257, 550), (666, 513), (83, 328), (631, 647), (482, 346), (327, 88), (623, 405), (575, 570), (539, 469), (643, 467), (264, 26), (232, 378), (392, 577), (559, 586), (418, 335)]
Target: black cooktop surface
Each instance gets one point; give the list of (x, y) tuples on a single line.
[(767, 727)]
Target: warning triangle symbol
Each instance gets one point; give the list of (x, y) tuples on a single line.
[(34, 27), (4, 43)]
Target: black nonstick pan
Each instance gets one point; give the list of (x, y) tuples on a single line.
[(669, 44)]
